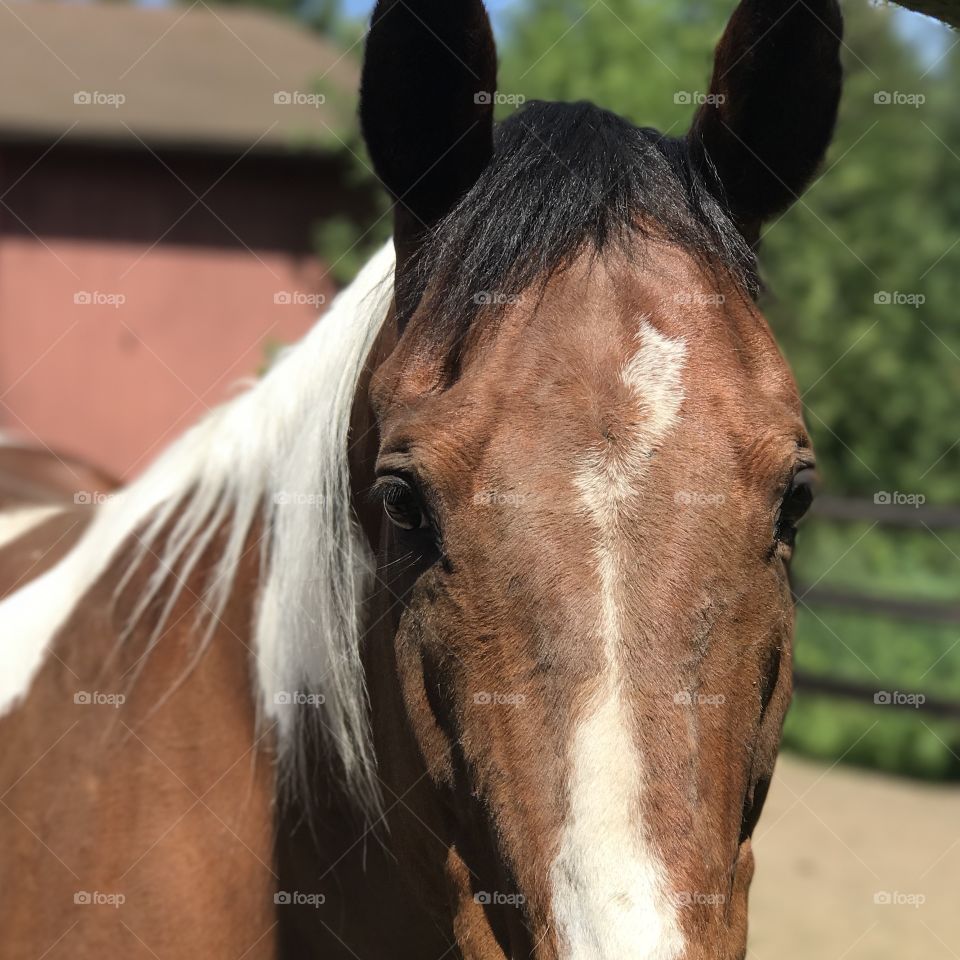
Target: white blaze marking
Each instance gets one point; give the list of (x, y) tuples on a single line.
[(611, 894)]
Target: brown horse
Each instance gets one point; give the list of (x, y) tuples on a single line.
[(466, 632)]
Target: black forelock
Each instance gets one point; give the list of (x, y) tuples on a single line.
[(566, 177)]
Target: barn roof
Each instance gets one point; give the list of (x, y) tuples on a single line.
[(186, 76)]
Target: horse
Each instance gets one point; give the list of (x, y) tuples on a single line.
[(466, 631)]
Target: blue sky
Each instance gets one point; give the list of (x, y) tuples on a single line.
[(496, 7), (930, 37)]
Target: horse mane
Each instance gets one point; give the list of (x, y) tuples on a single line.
[(565, 177), (274, 455)]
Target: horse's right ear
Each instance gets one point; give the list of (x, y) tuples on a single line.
[(766, 125), (426, 107)]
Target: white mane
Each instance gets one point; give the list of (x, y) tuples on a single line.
[(277, 452)]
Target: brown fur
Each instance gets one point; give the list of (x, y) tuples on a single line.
[(30, 475), (509, 607), (154, 802)]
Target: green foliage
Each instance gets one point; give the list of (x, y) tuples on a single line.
[(345, 243), (636, 57), (881, 654)]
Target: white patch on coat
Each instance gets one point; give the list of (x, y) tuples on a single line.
[(611, 893)]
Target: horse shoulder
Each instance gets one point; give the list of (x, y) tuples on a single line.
[(137, 784)]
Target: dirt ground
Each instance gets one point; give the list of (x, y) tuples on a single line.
[(854, 865)]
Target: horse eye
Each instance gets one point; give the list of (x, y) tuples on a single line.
[(796, 502), (402, 504)]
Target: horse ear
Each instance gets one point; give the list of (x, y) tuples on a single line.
[(769, 117), (426, 106)]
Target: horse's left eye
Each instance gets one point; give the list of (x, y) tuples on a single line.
[(796, 502), (402, 504)]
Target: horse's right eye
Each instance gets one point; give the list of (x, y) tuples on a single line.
[(797, 500), (402, 503)]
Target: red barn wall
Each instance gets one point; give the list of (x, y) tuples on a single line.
[(128, 309)]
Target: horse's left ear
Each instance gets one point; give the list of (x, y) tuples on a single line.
[(426, 107), (769, 117)]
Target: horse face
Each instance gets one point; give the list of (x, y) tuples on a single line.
[(590, 485)]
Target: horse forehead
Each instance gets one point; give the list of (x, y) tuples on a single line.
[(599, 353), (585, 323)]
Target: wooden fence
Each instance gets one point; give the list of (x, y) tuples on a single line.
[(887, 514)]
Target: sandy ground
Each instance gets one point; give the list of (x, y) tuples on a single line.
[(853, 865)]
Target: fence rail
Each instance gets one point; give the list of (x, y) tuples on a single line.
[(885, 512), (920, 517), (927, 611), (867, 694)]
